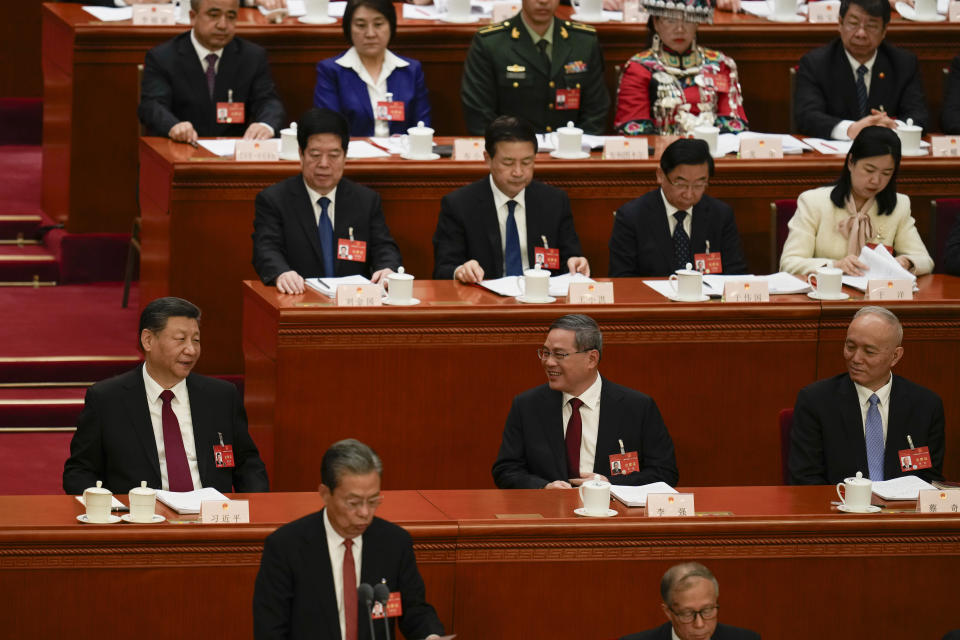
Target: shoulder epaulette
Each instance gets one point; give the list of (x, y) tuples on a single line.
[(492, 28), (579, 26)]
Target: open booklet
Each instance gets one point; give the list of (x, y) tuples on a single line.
[(510, 285), (880, 266), (189, 501), (902, 488), (637, 496)]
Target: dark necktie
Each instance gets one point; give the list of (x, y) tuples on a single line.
[(542, 46), (874, 436), (862, 90), (349, 591), (574, 433), (325, 231), (211, 72), (681, 241), (512, 251), (178, 471)]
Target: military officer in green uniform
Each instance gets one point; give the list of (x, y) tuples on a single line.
[(537, 67)]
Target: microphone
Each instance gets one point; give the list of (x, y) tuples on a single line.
[(365, 593), (382, 594)]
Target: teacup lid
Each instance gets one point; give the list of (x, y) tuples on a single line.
[(420, 130), (400, 274), (596, 482), (292, 129), (570, 129), (143, 489), (859, 480), (98, 489), (537, 271), (909, 126)]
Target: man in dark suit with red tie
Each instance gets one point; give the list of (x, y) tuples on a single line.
[(559, 434), (300, 222), (187, 79)]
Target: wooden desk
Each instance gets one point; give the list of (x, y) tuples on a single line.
[(198, 213), (490, 558), (91, 92)]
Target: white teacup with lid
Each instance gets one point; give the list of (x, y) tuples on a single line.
[(856, 492), (709, 134), (569, 141), (143, 503), (909, 135), (535, 285), (98, 500), (687, 284), (289, 148), (420, 142), (400, 287), (595, 495), (925, 9)]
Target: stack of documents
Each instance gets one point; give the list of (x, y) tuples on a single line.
[(781, 283), (880, 266), (637, 496), (730, 142), (510, 286), (903, 488), (189, 501), (328, 286)]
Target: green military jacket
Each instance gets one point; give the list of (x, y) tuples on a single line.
[(505, 74)]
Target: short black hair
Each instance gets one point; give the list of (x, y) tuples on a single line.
[(508, 129), (876, 8), (347, 456), (686, 151), (155, 315), (316, 121), (383, 6), (870, 143)]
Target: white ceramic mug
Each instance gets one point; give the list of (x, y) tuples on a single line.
[(535, 284), (569, 139), (856, 492), (925, 9), (710, 135), (316, 8), (826, 281), (143, 503), (458, 9), (784, 8), (289, 147), (184, 12), (687, 284), (909, 135), (589, 9), (98, 500), (595, 495), (400, 286), (420, 141)]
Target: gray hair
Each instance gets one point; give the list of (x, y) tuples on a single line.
[(675, 577), (886, 315), (348, 456), (586, 333), (195, 5)]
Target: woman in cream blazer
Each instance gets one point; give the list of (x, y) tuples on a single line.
[(833, 223)]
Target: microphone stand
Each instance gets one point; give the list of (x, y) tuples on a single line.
[(382, 594), (365, 592)]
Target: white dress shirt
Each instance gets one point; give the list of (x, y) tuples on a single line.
[(589, 422), (883, 395), (687, 221), (500, 200), (181, 408), (839, 131), (315, 196), (377, 91), (337, 551)]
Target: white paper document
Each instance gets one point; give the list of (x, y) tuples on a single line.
[(189, 501), (791, 145), (880, 266), (222, 148), (637, 496), (510, 285), (328, 286), (781, 283), (902, 488), (115, 505), (829, 147), (110, 14), (363, 149)]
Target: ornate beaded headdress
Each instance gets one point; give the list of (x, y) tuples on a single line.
[(700, 11)]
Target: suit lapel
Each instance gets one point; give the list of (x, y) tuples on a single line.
[(852, 419), (898, 416), (660, 230), (345, 217), (135, 401), (560, 48), (327, 599), (195, 74), (606, 428), (698, 227), (203, 439), (301, 207), (534, 222), (552, 428), (227, 73), (524, 48), (881, 83), (844, 82), (491, 227)]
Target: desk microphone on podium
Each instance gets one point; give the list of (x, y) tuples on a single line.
[(382, 594), (365, 593)]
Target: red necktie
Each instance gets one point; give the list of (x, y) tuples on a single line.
[(349, 591), (211, 72), (178, 471), (574, 431)]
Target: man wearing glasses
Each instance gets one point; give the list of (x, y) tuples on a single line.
[(311, 567), (690, 594), (858, 80), (677, 224), (578, 424)]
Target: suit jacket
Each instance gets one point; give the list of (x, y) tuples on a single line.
[(533, 454), (114, 441), (826, 90), (951, 250), (285, 231), (341, 89), (174, 88), (827, 443), (294, 596), (468, 228), (950, 116), (641, 244), (723, 632)]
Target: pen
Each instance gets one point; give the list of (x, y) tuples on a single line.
[(323, 284), (378, 146), (621, 446), (910, 442)]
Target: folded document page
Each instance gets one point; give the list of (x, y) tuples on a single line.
[(637, 496), (880, 266), (510, 285), (328, 286), (902, 488), (189, 501)]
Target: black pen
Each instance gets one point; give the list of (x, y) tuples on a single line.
[(323, 284)]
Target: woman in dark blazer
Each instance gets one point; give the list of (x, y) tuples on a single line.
[(362, 76)]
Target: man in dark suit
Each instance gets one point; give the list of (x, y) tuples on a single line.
[(497, 225), (858, 80), (311, 568), (559, 434), (950, 115), (163, 424), (860, 420), (187, 79), (663, 230), (300, 222), (690, 593)]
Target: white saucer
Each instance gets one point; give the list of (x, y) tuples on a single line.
[(582, 512), (156, 518), (598, 20), (793, 18), (326, 20), (702, 298), (83, 518), (910, 13), (527, 300), (464, 20), (916, 153), (583, 155), (871, 509), (412, 302), (817, 296), (432, 156)]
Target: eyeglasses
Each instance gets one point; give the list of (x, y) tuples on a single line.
[(707, 613), (683, 185), (873, 28), (355, 504), (543, 354)]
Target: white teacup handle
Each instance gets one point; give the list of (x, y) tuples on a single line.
[(673, 283), (843, 500), (522, 284), (810, 280), (580, 491)]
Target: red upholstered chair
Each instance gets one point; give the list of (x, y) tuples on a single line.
[(786, 424), (780, 213), (943, 213)]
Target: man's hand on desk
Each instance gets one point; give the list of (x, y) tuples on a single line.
[(380, 275), (579, 264), (559, 484), (257, 131), (576, 482), (470, 272), (183, 132), (876, 118), (290, 282)]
